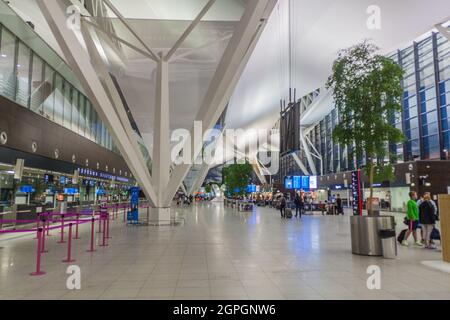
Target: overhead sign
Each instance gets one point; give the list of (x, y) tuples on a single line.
[(305, 183)]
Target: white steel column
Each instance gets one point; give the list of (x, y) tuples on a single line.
[(305, 146), (226, 77), (80, 63), (161, 144), (200, 179)]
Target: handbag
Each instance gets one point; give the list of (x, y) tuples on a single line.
[(435, 235)]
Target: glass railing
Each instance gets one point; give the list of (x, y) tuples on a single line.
[(29, 80)]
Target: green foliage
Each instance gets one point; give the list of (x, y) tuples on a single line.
[(208, 188), (237, 176), (383, 173), (367, 92)]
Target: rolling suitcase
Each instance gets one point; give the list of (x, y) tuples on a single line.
[(401, 236), (288, 213)]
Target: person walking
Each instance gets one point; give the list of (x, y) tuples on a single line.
[(282, 206), (298, 201), (428, 218), (413, 220), (339, 207)]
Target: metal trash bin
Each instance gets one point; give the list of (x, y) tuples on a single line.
[(388, 243)]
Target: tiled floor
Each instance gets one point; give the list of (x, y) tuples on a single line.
[(221, 254)]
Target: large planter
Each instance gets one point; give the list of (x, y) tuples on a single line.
[(365, 233)]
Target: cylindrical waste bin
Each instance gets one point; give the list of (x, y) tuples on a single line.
[(388, 243)]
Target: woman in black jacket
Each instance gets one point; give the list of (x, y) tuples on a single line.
[(427, 220)]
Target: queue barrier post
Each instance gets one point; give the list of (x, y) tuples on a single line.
[(107, 227), (38, 271), (48, 226), (77, 237), (69, 246), (92, 235), (104, 244), (61, 241), (37, 225), (44, 223), (100, 223)]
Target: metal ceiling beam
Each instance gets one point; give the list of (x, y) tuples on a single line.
[(131, 29), (200, 179), (109, 34), (206, 45), (80, 62), (112, 92), (189, 29), (233, 62)]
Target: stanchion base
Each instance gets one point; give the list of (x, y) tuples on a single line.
[(77, 238), (69, 261), (35, 274), (61, 242), (104, 245), (45, 251), (91, 251)]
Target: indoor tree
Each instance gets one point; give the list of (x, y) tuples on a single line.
[(367, 92), (237, 177)]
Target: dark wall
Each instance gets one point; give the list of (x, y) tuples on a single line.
[(24, 127), (437, 173)]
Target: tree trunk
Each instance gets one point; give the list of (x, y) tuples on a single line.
[(370, 201)]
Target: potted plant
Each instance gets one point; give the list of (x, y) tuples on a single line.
[(367, 91)]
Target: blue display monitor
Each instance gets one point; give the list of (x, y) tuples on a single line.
[(297, 182), (305, 183), (27, 189), (288, 183), (70, 191), (251, 188)]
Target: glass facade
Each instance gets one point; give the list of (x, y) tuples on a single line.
[(32, 83), (425, 110)]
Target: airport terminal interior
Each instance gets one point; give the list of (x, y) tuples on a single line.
[(224, 150)]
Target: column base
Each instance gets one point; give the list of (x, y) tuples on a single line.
[(161, 217)]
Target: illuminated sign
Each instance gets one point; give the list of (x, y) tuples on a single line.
[(300, 182), (101, 175)]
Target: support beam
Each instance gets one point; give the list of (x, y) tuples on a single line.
[(189, 29), (111, 91), (300, 164), (305, 146), (80, 62), (200, 179), (113, 36), (131, 29), (258, 171), (226, 77), (161, 144)]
